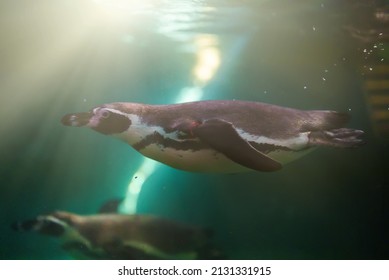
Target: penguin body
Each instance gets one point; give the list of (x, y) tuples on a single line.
[(117, 236), (219, 135)]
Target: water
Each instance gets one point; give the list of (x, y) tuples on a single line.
[(68, 56)]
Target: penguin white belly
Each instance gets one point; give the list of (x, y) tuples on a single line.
[(205, 160), (208, 160)]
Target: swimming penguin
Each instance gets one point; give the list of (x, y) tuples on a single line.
[(117, 236), (219, 135)]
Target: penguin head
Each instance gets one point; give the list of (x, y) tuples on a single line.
[(64, 226), (107, 119)]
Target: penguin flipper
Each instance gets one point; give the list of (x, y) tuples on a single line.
[(222, 136)]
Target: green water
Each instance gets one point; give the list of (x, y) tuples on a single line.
[(59, 57)]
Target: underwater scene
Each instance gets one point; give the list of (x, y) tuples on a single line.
[(203, 129)]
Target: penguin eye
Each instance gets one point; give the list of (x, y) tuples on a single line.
[(105, 114), (110, 122)]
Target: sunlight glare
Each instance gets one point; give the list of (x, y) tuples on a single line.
[(208, 59), (208, 62)]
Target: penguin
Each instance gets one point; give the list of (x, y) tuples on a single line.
[(121, 236), (222, 136)]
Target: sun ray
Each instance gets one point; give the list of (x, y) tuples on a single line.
[(205, 68)]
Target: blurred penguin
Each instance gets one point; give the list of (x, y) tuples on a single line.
[(118, 236)]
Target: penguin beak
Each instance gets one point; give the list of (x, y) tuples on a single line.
[(43, 224), (78, 119), (27, 225)]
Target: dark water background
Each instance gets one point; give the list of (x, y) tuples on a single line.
[(67, 56)]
